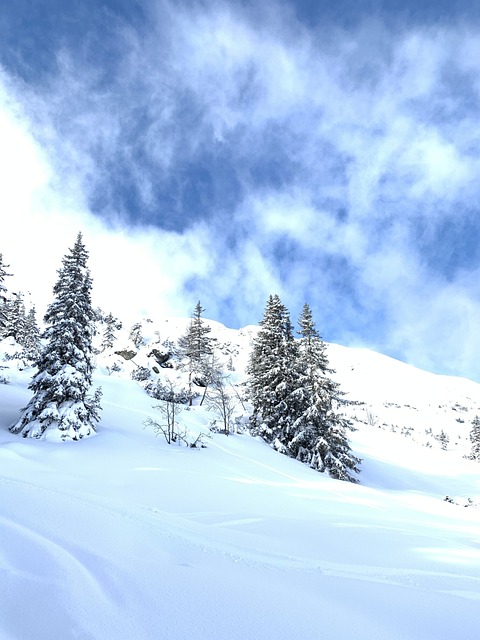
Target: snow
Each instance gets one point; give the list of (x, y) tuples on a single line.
[(122, 536)]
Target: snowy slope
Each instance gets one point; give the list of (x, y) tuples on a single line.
[(394, 396), (122, 536)]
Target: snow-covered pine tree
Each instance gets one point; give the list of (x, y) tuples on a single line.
[(136, 335), (320, 431), (61, 407), (196, 348), (475, 439), (274, 381), (443, 440), (31, 339), (15, 322), (312, 361), (112, 325), (3, 295), (196, 343)]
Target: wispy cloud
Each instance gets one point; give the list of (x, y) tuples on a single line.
[(232, 152)]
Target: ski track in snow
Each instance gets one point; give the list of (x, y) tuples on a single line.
[(55, 555), (184, 530)]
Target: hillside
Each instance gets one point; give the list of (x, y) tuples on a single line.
[(123, 536)]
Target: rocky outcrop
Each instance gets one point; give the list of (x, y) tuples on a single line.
[(127, 354), (160, 358)]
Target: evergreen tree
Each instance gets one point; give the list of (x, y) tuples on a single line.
[(15, 323), (196, 347), (320, 431), (312, 352), (22, 326), (112, 325), (61, 403), (3, 295), (443, 439), (275, 382), (295, 402), (475, 439), (31, 339), (312, 361), (136, 335), (196, 343)]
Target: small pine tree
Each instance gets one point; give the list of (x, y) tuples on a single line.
[(112, 325), (61, 403), (196, 343), (16, 319), (443, 440), (475, 439), (136, 335), (196, 347), (31, 339)]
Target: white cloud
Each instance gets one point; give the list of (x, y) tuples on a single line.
[(134, 270)]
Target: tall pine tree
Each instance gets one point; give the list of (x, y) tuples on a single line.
[(320, 430), (61, 407), (274, 380)]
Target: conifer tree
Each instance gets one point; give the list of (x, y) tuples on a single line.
[(475, 439), (196, 347), (321, 431), (443, 439), (295, 402), (112, 325), (312, 352), (312, 361), (3, 295), (196, 343), (136, 335), (274, 378), (31, 337), (61, 407), (15, 323), (22, 326)]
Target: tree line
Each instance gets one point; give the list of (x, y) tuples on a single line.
[(296, 405)]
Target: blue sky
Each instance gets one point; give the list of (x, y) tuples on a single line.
[(223, 151)]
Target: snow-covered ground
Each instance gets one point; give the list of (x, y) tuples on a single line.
[(121, 536)]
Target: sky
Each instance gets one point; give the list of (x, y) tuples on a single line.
[(224, 151)]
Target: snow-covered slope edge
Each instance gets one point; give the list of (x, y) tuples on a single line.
[(391, 395)]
